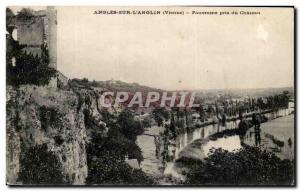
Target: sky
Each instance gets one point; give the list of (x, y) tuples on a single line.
[(189, 52)]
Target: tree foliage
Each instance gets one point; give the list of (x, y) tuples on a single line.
[(106, 154), (25, 14), (159, 115), (248, 166), (110, 170), (129, 127), (40, 166)]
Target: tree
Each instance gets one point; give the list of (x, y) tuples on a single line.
[(129, 127), (146, 122), (25, 14), (106, 154), (85, 80), (160, 114), (40, 166), (109, 170), (249, 165)]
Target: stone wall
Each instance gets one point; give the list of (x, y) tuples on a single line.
[(37, 31)]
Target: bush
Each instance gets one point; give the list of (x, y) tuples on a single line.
[(146, 122), (159, 115), (48, 117), (40, 166), (248, 166), (129, 127), (106, 155), (109, 170), (29, 69)]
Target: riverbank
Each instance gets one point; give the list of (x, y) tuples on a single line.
[(276, 136), (273, 133), (195, 144)]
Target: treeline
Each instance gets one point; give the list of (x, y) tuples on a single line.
[(220, 111), (231, 107)]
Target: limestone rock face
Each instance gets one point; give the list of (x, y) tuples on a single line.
[(55, 118)]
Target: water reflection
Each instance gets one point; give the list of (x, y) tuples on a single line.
[(156, 158), (235, 144), (184, 139)]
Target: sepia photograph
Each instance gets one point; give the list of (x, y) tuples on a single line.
[(150, 96)]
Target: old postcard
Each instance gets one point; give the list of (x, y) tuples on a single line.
[(150, 96)]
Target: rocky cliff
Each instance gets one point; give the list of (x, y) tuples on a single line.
[(55, 120)]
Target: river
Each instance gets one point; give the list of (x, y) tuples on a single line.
[(195, 144)]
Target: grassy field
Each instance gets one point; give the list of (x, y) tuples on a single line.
[(280, 130)]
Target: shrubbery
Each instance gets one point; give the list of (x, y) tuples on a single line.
[(248, 166), (107, 169), (40, 166), (106, 154), (159, 115)]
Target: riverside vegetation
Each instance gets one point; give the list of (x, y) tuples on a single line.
[(62, 137)]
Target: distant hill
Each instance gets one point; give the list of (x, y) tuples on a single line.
[(116, 85), (259, 92)]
